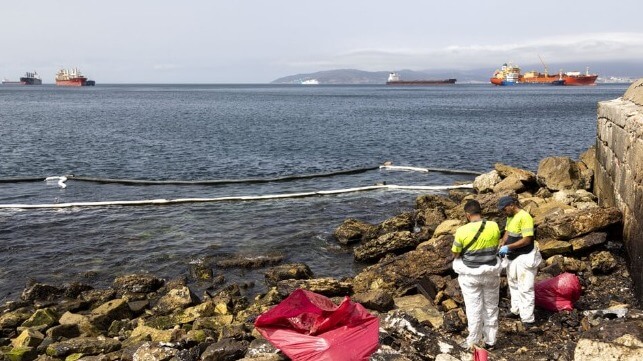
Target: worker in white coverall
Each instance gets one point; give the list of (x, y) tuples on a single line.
[(475, 248), (523, 257)]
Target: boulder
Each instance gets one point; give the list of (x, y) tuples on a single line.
[(353, 230), (294, 271), (396, 242), (588, 158), (41, 292), (153, 351), (400, 274), (551, 247), (626, 347), (225, 349), (103, 315), (447, 227), (568, 226), (557, 173), (137, 283), (378, 300), (250, 261), (588, 241), (399, 223), (428, 201), (329, 287), (84, 345), (420, 309), (28, 338), (484, 183), (41, 320), (509, 184), (506, 171), (602, 262), (176, 299), (430, 217)]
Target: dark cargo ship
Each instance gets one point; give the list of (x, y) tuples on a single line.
[(27, 79), (394, 79)]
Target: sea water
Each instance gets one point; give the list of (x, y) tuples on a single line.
[(214, 132)]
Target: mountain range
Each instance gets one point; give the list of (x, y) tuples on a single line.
[(607, 71)]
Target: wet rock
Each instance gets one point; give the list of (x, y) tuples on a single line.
[(262, 348), (602, 262), (41, 319), (14, 318), (98, 296), (137, 283), (353, 230), (28, 338), (75, 289), (190, 314), (329, 287), (576, 224), (84, 345), (82, 322), (396, 242), (250, 262), (484, 183), (20, 354), (103, 315), (201, 271), (60, 331), (224, 350), (589, 241), (41, 292), (557, 173), (176, 299), (297, 271), (377, 300)]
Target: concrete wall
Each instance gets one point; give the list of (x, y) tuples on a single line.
[(618, 179)]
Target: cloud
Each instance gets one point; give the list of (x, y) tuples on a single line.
[(164, 67), (582, 48)]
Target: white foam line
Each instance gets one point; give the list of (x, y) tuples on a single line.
[(231, 198), (400, 167)]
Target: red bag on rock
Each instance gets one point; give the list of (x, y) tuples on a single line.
[(309, 326), (558, 293)]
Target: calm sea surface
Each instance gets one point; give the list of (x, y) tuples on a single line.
[(209, 132)]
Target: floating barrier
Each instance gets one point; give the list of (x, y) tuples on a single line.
[(231, 199)]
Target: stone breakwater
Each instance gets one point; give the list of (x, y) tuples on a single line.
[(142, 317), (619, 169)]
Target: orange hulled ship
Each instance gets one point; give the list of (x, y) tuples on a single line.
[(72, 77), (510, 74)]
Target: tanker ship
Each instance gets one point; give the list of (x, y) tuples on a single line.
[(510, 74), (72, 77), (394, 79)]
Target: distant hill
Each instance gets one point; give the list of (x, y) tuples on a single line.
[(605, 70)]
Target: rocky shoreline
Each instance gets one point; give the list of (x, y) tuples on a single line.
[(408, 284)]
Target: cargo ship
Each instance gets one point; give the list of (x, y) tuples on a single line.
[(72, 77), (27, 79), (394, 79), (510, 74)]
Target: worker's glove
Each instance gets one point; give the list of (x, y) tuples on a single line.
[(503, 250)]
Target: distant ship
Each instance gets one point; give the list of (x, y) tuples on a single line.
[(510, 74), (394, 79), (27, 79), (310, 82), (72, 77)]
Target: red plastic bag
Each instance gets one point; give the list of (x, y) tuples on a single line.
[(309, 326), (558, 293), (480, 354)]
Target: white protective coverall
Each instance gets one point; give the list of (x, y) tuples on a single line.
[(521, 275), (480, 290)]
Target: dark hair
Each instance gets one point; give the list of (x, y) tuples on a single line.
[(472, 207)]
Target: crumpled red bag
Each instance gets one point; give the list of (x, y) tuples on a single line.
[(558, 293), (309, 326), (480, 354)]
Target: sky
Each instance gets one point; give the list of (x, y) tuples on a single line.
[(257, 41)]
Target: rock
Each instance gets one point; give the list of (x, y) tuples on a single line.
[(176, 299), (83, 323), (430, 218), (201, 271), (153, 351), (20, 354), (455, 320), (576, 224), (262, 350), (602, 262), (399, 223), (329, 287), (420, 309), (226, 349), (583, 243), (41, 292), (400, 273), (525, 176), (144, 333), (103, 315), (353, 230), (98, 296), (396, 242), (626, 347), (84, 345), (190, 314), (447, 227), (296, 271), (588, 158), (430, 201), (509, 184), (557, 173), (41, 319), (63, 331), (213, 322), (586, 175), (28, 338), (250, 262), (74, 289), (566, 264), (14, 318), (551, 247), (378, 300), (484, 183), (137, 283)]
